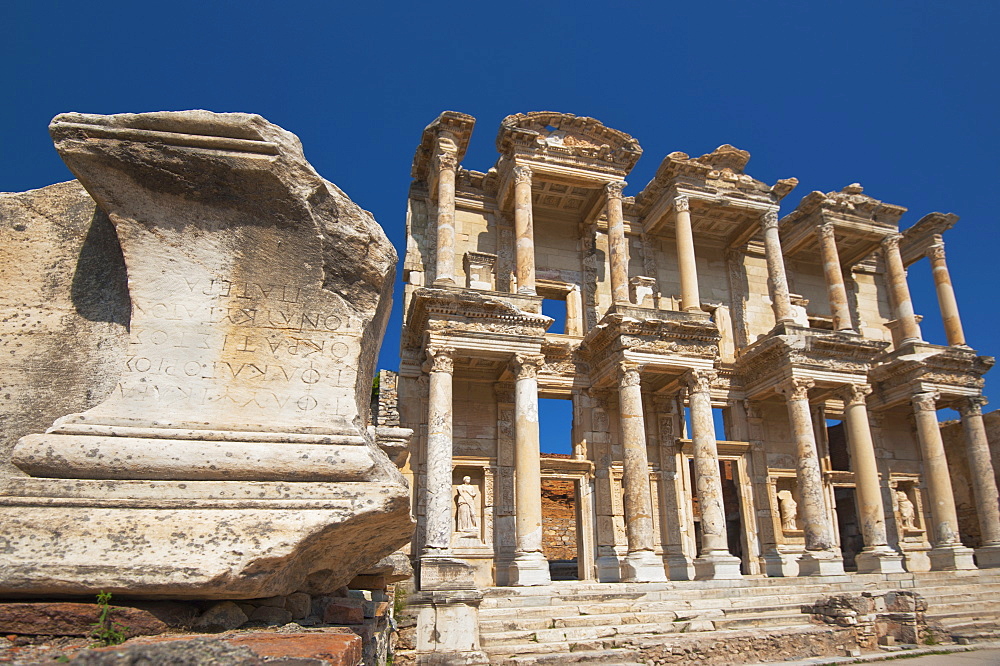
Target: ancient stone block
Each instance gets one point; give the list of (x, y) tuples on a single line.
[(213, 468)]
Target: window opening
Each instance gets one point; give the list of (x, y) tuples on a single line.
[(555, 426), (557, 310)]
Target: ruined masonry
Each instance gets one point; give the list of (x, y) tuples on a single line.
[(189, 416), (692, 300)]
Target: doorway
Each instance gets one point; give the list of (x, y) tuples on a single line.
[(559, 528), (848, 526)]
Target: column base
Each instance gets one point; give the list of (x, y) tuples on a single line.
[(444, 282), (679, 567), (821, 563), (988, 557), (448, 628), (881, 559), (717, 566), (951, 557), (443, 572), (529, 569), (608, 569), (643, 566)]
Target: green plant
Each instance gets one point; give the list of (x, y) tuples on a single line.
[(106, 631)]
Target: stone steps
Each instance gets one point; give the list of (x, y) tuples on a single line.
[(599, 622)]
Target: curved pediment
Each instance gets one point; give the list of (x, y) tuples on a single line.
[(567, 135)]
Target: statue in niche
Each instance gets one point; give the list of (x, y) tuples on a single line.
[(907, 512), (467, 500), (789, 510)]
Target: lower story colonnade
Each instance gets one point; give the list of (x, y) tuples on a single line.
[(680, 473)]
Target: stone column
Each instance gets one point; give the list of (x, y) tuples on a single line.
[(947, 552), (820, 559), (780, 301), (524, 234), (439, 519), (445, 268), (877, 556), (895, 274), (617, 242), (690, 300), (946, 294), (438, 569), (984, 487), (714, 560), (641, 564), (529, 566), (834, 275)]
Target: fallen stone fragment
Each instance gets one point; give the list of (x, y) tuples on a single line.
[(220, 617), (74, 619), (231, 457), (271, 615)]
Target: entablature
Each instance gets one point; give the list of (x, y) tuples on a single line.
[(859, 223), (953, 372), (918, 239)]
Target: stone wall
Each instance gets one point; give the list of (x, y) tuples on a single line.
[(558, 519)]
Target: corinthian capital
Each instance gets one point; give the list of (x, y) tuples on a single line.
[(796, 388), (614, 189), (700, 381), (440, 359), (855, 394), (628, 374), (925, 402), (681, 204), (891, 242), (936, 249), (826, 231), (522, 174), (526, 366), (769, 220), (973, 406), (447, 162)]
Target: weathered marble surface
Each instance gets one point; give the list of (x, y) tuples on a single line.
[(233, 457), (64, 309)]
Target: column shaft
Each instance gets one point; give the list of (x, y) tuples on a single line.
[(895, 275), (944, 521), (635, 473), (618, 243), (524, 234), (984, 486), (686, 263), (834, 275), (871, 511), (812, 507), (438, 519), (946, 296), (445, 268), (529, 566), (707, 479), (780, 300)]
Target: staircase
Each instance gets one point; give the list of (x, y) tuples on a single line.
[(608, 623)]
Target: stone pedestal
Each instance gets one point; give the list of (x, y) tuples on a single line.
[(448, 628), (642, 566), (821, 563), (717, 566), (529, 569), (217, 466), (951, 557), (443, 572), (988, 557), (879, 559)]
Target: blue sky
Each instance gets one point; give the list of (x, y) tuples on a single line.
[(899, 96)]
